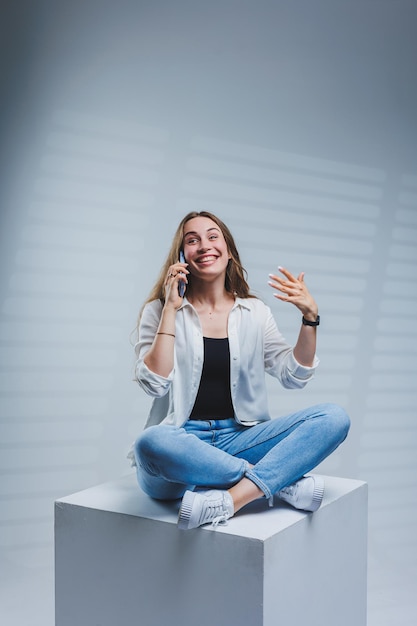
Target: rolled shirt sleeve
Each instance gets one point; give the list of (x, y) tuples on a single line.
[(280, 361)]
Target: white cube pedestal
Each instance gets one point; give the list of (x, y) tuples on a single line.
[(120, 559)]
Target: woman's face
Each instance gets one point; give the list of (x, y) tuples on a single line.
[(205, 248)]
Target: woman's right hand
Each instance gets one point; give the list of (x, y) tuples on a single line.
[(177, 273)]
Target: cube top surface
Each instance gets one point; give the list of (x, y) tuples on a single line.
[(256, 521)]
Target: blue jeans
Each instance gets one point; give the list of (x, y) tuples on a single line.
[(218, 453)]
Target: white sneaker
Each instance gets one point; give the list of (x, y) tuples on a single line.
[(306, 493), (201, 507)]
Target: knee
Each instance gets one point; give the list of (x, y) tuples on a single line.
[(338, 419), (151, 442)]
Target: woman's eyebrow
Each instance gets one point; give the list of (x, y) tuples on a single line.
[(193, 232)]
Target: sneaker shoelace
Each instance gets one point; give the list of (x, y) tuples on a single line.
[(220, 519), (217, 513), (291, 490)]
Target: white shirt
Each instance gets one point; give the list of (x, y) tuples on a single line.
[(256, 346)]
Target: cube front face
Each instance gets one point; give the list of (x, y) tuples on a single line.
[(113, 565)]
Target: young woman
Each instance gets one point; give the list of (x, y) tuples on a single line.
[(209, 438)]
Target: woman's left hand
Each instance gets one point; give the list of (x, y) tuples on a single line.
[(294, 290)]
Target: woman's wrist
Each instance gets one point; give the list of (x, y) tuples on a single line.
[(167, 321), (310, 314)]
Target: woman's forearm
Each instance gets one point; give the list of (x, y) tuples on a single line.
[(305, 348), (160, 357)]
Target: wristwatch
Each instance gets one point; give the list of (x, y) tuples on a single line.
[(309, 323)]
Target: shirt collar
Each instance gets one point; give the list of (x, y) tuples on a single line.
[(243, 302)]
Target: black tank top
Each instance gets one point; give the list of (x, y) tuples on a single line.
[(214, 400)]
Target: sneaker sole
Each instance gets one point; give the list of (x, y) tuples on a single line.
[(186, 509), (318, 493)]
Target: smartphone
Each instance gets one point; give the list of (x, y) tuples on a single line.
[(181, 285)]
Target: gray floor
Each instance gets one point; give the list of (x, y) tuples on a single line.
[(27, 594)]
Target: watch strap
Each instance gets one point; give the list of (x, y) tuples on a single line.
[(310, 323)]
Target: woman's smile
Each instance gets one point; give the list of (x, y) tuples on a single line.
[(206, 259)]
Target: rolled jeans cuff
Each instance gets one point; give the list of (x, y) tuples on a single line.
[(259, 483)]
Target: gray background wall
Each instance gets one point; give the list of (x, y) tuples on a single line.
[(293, 121)]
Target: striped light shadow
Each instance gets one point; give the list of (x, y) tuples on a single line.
[(399, 308), (64, 313), (383, 419), (404, 459), (345, 284), (396, 381), (249, 193), (106, 148), (401, 507), (388, 478), (118, 218), (115, 128), (108, 174), (67, 260), (406, 235), (65, 309), (29, 356), (57, 432), (403, 252), (289, 220), (394, 288), (41, 332), (283, 403), (337, 361), (16, 510), (387, 458), (29, 381), (328, 342), (17, 535), (42, 457), (313, 262), (271, 236), (56, 483), (90, 192), (402, 271), (396, 344), (387, 439), (214, 169), (272, 157), (44, 410), (396, 402), (408, 217), (89, 238), (336, 381), (408, 200), (75, 284), (341, 304), (288, 201), (349, 322)]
